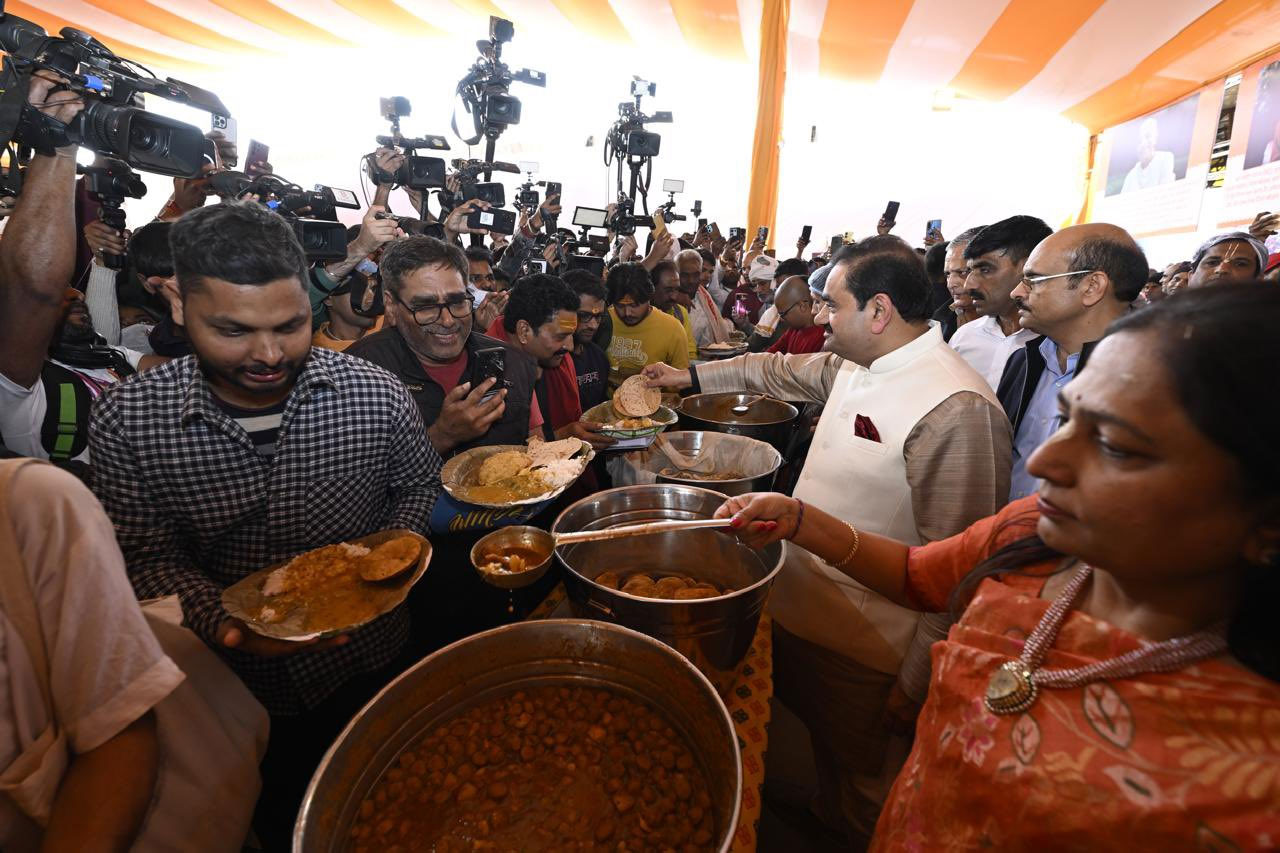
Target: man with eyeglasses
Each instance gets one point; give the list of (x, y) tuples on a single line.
[(995, 258), (1074, 284), (589, 361), (795, 304), (432, 349)]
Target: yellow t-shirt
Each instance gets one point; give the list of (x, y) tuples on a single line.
[(658, 337), (682, 314)]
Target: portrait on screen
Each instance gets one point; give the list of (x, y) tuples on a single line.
[(1152, 150), (1264, 128)]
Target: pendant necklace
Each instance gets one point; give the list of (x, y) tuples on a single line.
[(1015, 685)]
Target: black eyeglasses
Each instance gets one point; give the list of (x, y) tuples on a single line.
[(796, 305), (425, 315), (588, 316)]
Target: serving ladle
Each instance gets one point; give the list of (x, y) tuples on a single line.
[(544, 543), (741, 408)]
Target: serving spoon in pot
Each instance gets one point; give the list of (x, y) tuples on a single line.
[(741, 408)]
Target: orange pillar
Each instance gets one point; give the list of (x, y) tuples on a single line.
[(762, 202)]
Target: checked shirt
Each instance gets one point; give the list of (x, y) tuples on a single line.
[(196, 508)]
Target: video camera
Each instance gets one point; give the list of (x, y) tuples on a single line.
[(624, 220), (111, 87), (627, 137), (485, 88), (322, 237), (417, 173), (493, 192), (109, 185)]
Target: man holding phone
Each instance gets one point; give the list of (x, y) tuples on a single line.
[(433, 349)]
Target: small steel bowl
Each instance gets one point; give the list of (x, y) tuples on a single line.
[(519, 535)]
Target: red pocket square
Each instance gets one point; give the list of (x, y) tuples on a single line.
[(864, 428)]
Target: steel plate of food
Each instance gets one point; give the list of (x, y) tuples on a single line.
[(331, 589), (617, 425), (506, 475)]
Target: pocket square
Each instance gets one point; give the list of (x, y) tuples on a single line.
[(864, 428)]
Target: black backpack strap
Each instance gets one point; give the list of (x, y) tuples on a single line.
[(64, 434)]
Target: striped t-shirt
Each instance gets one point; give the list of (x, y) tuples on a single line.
[(262, 425)]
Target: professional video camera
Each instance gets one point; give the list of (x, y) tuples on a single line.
[(468, 171), (628, 137), (485, 88), (110, 184), (528, 199), (628, 142), (322, 236), (111, 122), (417, 173)]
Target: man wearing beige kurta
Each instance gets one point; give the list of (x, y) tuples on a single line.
[(912, 444)]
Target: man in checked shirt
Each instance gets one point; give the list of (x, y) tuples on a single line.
[(252, 450)]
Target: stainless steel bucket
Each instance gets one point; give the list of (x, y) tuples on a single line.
[(690, 443), (714, 633), (767, 420), (500, 661)]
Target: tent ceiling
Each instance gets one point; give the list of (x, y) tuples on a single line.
[(1099, 62)]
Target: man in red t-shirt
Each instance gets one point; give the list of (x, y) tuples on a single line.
[(540, 319), (794, 302), (430, 345)]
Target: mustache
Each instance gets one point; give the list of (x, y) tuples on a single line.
[(975, 294), (259, 367)]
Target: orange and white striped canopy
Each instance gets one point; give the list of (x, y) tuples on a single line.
[(1099, 62)]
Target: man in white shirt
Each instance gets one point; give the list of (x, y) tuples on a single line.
[(49, 351), (704, 314), (995, 258), (1153, 167)]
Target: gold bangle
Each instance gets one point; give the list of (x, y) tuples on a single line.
[(853, 549)]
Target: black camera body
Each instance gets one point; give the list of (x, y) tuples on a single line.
[(416, 173), (109, 185), (643, 143), (322, 239), (485, 90), (110, 123)]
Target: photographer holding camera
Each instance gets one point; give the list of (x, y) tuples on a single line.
[(52, 361)]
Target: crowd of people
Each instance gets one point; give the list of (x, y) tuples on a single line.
[(1031, 511)]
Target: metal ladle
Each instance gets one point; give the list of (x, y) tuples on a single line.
[(741, 408), (543, 542)]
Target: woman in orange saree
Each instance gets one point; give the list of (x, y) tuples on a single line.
[(1112, 682)]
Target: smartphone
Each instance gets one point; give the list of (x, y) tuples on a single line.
[(495, 221), (535, 266), (849, 238), (257, 153), (226, 124), (659, 225), (590, 217), (702, 225), (762, 233), (553, 189), (491, 363), (837, 243), (891, 212), (934, 227), (806, 233), (736, 233)]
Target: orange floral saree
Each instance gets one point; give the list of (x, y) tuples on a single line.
[(1188, 760)]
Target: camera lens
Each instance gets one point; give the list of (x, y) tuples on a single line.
[(141, 137)]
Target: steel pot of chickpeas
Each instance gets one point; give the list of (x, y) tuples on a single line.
[(552, 735), (699, 591)]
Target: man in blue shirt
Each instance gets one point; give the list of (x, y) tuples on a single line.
[(1075, 283)]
